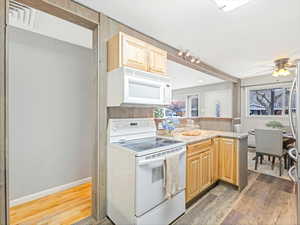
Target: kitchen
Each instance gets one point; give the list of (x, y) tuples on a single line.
[(176, 133), (210, 156)]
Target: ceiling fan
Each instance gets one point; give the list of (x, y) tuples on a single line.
[(280, 67)]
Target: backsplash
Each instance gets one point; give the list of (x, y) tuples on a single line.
[(219, 124), (205, 123), (129, 112)]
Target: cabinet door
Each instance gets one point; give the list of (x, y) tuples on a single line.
[(193, 179), (228, 160), (206, 169), (134, 53), (157, 60)]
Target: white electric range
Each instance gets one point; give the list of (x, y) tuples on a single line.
[(135, 178)]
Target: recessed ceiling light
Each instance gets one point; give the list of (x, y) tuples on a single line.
[(200, 81), (228, 5)]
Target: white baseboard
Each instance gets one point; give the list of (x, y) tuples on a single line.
[(47, 192)]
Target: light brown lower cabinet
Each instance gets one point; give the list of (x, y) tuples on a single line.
[(193, 176), (209, 161), (199, 170), (228, 160), (206, 169)]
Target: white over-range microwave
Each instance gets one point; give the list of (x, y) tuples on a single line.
[(128, 86)]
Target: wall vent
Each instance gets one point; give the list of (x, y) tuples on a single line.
[(21, 15)]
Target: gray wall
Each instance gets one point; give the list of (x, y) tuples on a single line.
[(209, 96), (51, 127)]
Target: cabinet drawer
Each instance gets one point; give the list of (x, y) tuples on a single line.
[(198, 147)]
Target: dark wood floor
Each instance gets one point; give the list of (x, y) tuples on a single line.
[(267, 200)]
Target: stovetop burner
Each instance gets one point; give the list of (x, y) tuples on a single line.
[(145, 144)]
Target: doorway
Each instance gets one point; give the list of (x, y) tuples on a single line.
[(52, 127)]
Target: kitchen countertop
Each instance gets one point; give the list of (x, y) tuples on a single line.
[(205, 134)]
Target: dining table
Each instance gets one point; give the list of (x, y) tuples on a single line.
[(287, 142)]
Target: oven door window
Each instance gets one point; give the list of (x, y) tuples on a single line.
[(157, 174)]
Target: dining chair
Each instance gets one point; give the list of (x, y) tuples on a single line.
[(269, 142)]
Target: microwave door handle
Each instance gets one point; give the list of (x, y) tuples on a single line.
[(290, 109)]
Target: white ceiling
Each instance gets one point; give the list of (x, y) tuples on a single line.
[(243, 42), (179, 73)]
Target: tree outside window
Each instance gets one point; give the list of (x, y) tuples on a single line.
[(269, 102)]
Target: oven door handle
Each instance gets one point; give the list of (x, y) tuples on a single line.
[(148, 161)]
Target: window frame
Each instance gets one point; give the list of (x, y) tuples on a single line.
[(263, 87), (188, 105), (187, 108)]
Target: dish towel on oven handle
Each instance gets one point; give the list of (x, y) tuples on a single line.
[(171, 174)]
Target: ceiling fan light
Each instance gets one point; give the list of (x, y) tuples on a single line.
[(283, 72), (275, 73), (281, 67), (286, 73)]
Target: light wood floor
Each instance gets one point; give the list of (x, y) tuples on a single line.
[(63, 208)]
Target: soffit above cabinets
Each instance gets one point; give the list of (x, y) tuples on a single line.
[(237, 42)]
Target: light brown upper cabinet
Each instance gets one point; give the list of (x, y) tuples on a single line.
[(157, 60), (228, 160), (135, 53), (124, 50)]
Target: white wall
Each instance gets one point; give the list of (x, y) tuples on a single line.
[(260, 122), (50, 126), (209, 95)]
